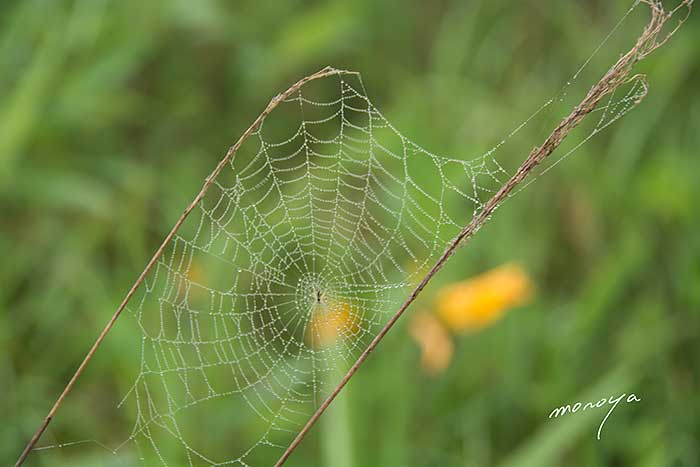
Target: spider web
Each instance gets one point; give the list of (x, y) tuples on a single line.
[(302, 248), (298, 254)]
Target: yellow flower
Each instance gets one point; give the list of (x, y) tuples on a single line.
[(191, 283), (331, 322), (472, 304), (195, 273), (434, 342)]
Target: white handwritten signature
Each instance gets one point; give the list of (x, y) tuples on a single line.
[(560, 411)]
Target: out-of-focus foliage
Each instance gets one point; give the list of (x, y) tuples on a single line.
[(112, 113)]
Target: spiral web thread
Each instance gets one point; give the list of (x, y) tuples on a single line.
[(299, 252)]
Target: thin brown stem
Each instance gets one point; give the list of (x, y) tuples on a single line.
[(648, 41), (328, 71)]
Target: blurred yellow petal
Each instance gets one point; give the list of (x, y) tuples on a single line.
[(472, 304), (192, 282), (195, 273), (434, 342), (331, 322)]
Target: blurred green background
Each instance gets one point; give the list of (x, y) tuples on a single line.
[(112, 113)]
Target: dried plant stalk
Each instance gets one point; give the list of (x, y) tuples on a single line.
[(651, 39)]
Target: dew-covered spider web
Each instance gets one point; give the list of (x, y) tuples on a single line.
[(300, 251), (302, 248)]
